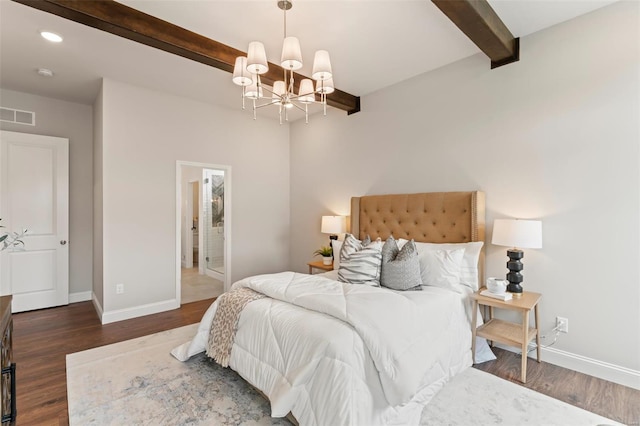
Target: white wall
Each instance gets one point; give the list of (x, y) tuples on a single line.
[(98, 271), (75, 122), (553, 136), (145, 133)]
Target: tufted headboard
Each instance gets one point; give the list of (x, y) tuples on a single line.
[(431, 217)]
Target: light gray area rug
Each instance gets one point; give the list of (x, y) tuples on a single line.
[(139, 382)]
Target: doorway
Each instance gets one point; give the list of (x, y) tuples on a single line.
[(203, 207), (34, 176)]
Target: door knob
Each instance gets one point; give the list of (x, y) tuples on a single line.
[(63, 242)]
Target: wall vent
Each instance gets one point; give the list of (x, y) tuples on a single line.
[(17, 116)]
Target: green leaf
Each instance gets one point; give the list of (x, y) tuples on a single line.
[(324, 251)]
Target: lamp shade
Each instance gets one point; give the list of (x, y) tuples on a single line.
[(291, 58), (241, 76), (517, 233), (333, 224), (306, 94), (257, 58), (325, 86), (253, 91), (279, 88), (321, 66)]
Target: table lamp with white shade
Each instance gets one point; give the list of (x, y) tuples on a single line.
[(519, 234), (333, 225)]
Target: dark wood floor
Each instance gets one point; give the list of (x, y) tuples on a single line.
[(599, 396), (43, 338)]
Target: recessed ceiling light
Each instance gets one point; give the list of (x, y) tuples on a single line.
[(45, 72), (48, 35)]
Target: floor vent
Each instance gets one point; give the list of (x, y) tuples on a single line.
[(17, 116)]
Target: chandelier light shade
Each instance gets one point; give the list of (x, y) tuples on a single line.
[(291, 54), (279, 89), (247, 71), (257, 58), (241, 76), (321, 66), (306, 95), (325, 86), (253, 91)]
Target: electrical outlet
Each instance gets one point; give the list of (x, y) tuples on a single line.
[(119, 288), (562, 324)]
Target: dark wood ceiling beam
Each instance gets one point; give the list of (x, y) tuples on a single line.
[(124, 21), (478, 20)]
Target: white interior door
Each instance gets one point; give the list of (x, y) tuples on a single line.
[(34, 183)]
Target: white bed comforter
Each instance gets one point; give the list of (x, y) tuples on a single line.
[(334, 353)]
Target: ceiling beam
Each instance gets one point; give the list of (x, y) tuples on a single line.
[(484, 27), (124, 21)]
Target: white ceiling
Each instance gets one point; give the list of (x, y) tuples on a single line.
[(373, 43)]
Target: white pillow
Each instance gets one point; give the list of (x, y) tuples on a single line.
[(337, 246), (441, 268), (469, 267)]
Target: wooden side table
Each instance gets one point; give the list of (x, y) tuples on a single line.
[(505, 332), (319, 265)]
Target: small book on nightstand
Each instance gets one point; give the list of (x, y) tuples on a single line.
[(503, 296)]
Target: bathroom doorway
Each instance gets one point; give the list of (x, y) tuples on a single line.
[(203, 211)]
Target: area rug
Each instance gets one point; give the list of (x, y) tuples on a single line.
[(139, 382)]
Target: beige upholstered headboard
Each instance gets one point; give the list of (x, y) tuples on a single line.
[(431, 217)]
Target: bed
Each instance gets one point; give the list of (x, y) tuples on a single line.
[(333, 353)]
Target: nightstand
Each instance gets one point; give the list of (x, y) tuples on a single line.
[(505, 332), (319, 265)]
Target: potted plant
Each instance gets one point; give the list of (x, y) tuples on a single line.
[(327, 254), (11, 239)]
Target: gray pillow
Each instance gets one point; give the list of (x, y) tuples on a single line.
[(400, 268)]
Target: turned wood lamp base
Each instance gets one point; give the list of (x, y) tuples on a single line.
[(514, 265)]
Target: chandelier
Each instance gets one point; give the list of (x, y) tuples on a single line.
[(247, 71)]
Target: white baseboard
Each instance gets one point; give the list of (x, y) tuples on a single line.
[(138, 311), (81, 296), (215, 275), (593, 367), (97, 305)]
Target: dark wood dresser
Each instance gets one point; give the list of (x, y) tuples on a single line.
[(8, 381)]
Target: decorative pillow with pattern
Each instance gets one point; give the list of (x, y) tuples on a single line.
[(360, 261), (400, 268)]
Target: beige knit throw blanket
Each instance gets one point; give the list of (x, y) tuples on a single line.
[(225, 323)]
